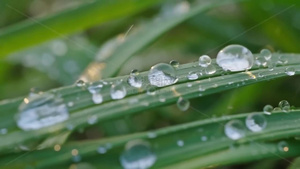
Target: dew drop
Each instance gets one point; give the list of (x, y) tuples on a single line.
[(235, 129), (97, 98), (204, 61), (151, 90), (266, 53), (235, 58), (174, 63), (192, 75), (210, 69), (283, 146), (3, 131), (290, 71), (101, 150), (204, 138), (80, 83), (41, 111), (118, 91), (180, 143), (268, 109), (135, 79), (95, 88), (183, 104), (162, 75), (256, 122), (284, 106), (137, 155), (92, 119)]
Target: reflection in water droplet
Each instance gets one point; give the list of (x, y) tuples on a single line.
[(284, 105), (204, 61), (268, 109), (183, 104), (162, 75), (235, 129), (41, 111), (235, 58), (256, 122), (137, 155)]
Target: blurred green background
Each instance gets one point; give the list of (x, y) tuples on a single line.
[(256, 24)]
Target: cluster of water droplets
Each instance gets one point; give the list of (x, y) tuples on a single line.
[(282, 106)]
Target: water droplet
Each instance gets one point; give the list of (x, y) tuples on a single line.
[(204, 61), (80, 83), (256, 122), (101, 150), (92, 119), (235, 58), (210, 69), (151, 90), (135, 79), (192, 75), (183, 104), (95, 88), (189, 84), (152, 135), (268, 109), (41, 111), (162, 75), (97, 98), (283, 146), (118, 91), (282, 60), (204, 138), (266, 53), (284, 106), (70, 104), (290, 71), (174, 63), (261, 61), (180, 143), (3, 131), (235, 129), (137, 155), (76, 158)]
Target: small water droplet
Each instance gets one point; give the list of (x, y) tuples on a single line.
[(204, 61), (80, 83), (235, 58), (283, 146), (282, 60), (290, 71), (284, 106), (92, 119), (95, 88), (152, 135), (174, 63), (118, 91), (235, 129), (183, 104), (137, 155), (76, 158), (101, 150), (268, 109), (162, 75), (204, 138), (256, 122), (41, 111), (3, 131), (192, 75), (266, 53), (210, 69), (189, 84), (135, 79), (180, 143), (151, 90), (97, 98)]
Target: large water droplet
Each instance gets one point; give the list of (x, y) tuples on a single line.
[(118, 91), (183, 104), (283, 146), (235, 129), (235, 58), (284, 105), (266, 53), (204, 61), (135, 79), (256, 122), (268, 109), (290, 71), (162, 75), (137, 155), (41, 111)]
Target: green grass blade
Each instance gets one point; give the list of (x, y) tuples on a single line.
[(29, 33)]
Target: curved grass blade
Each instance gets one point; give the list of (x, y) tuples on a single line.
[(205, 144), (28, 33), (138, 100)]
